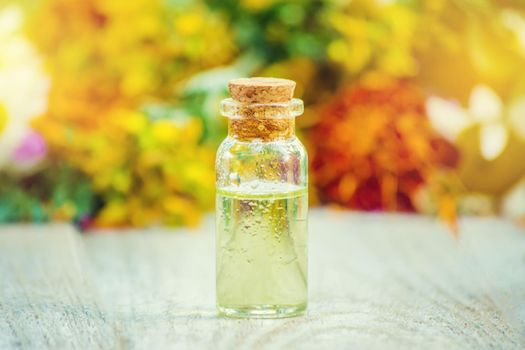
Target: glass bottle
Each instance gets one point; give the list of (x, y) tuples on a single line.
[(262, 203)]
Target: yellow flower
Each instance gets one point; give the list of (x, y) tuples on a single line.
[(3, 118), (373, 35), (107, 60), (165, 132), (189, 23), (131, 121), (121, 181), (113, 214), (257, 5), (181, 210)]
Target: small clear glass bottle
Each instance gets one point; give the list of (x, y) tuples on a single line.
[(262, 203)]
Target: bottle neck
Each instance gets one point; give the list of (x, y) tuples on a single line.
[(271, 129), (261, 121)]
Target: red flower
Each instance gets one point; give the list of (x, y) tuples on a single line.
[(374, 146)]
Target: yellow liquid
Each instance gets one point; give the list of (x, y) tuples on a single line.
[(262, 251)]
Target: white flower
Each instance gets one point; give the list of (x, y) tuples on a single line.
[(23, 84), (486, 110), (513, 204)]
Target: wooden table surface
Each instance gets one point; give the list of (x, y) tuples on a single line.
[(376, 281)]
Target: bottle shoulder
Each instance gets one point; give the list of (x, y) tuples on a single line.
[(283, 161), (231, 146)]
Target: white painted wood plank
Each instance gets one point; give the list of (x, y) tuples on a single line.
[(157, 285), (376, 281), (46, 299)]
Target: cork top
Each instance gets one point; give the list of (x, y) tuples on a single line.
[(261, 90)]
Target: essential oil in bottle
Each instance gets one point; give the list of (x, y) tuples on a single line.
[(262, 203)]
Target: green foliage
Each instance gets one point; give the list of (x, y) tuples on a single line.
[(55, 192), (277, 30)]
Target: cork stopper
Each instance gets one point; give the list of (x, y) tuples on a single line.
[(261, 108), (261, 90)]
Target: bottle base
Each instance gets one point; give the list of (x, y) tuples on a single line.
[(262, 311)]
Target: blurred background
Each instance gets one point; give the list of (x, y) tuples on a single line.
[(109, 109)]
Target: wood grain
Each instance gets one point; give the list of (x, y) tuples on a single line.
[(46, 298), (376, 281)]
